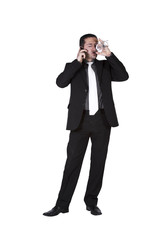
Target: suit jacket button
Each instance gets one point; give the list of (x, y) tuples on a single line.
[(86, 90)]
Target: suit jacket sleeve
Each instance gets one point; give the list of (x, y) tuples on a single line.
[(118, 71), (65, 78)]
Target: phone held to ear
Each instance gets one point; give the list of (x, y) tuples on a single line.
[(82, 48)]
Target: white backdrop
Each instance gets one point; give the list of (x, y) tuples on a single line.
[(37, 39)]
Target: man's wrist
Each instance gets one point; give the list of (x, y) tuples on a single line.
[(79, 61), (108, 54)]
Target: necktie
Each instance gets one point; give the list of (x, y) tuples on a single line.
[(93, 96)]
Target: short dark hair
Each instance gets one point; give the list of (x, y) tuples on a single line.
[(82, 39)]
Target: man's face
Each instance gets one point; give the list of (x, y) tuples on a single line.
[(90, 46)]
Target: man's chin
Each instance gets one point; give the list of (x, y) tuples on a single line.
[(94, 56)]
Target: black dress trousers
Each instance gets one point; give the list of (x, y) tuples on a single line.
[(95, 128)]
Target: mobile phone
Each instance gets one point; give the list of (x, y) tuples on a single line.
[(82, 49)]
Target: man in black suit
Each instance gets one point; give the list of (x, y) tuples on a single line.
[(91, 114)]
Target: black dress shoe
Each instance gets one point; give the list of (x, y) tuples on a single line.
[(55, 211), (94, 210)]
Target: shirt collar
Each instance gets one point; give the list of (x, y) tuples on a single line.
[(86, 63)]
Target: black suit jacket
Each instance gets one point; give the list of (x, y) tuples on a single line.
[(74, 74)]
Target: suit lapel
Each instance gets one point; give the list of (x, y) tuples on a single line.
[(99, 67), (84, 76)]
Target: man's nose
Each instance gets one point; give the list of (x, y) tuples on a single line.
[(94, 48)]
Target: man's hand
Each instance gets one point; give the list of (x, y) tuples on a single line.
[(105, 52), (81, 55)]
